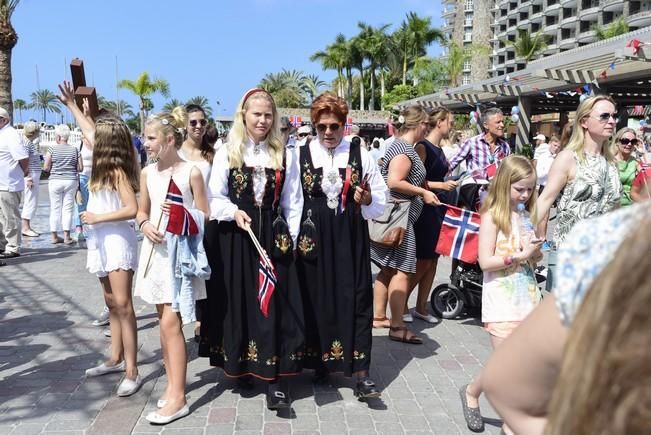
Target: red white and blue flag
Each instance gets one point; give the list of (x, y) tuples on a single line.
[(296, 120), (266, 284), (180, 220), (348, 126), (459, 237)]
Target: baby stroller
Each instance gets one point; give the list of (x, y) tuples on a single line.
[(463, 292)]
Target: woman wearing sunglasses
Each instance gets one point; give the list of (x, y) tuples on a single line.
[(197, 149), (243, 331), (584, 174), (341, 189), (625, 149)]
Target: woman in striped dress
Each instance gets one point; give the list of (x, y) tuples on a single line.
[(32, 180), (404, 173)]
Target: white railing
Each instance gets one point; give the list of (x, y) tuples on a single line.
[(47, 138)]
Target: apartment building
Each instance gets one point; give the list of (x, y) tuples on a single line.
[(567, 24)]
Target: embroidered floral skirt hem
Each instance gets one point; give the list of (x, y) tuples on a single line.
[(235, 335), (337, 290)]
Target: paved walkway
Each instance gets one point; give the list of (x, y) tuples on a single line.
[(47, 303)]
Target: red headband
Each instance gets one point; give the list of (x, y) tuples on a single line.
[(254, 91)]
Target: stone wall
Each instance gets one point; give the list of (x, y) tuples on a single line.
[(481, 35)]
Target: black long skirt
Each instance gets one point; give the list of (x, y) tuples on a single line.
[(235, 335), (337, 291)]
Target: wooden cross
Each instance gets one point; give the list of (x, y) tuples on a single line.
[(81, 90)]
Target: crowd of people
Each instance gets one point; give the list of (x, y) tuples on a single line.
[(270, 255)]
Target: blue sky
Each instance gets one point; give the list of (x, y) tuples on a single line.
[(217, 49)]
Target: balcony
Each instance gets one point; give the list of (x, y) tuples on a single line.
[(568, 43), (551, 49), (524, 24), (524, 5), (590, 12), (613, 5), (586, 37), (449, 12), (537, 17), (640, 19), (554, 9), (551, 29), (569, 22)]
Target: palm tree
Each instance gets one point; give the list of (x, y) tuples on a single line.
[(616, 28), (202, 102), (8, 40), (356, 59), (333, 58), (45, 100), (413, 37), (143, 87), (527, 46), (20, 105), (121, 108), (312, 85), (171, 104), (286, 87), (374, 46)]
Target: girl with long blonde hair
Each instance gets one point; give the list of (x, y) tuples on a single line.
[(244, 333), (507, 255), (154, 284)]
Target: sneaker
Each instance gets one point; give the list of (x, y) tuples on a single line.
[(425, 317), (407, 318), (103, 318)]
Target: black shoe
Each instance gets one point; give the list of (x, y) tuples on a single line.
[(365, 389), (276, 399), (9, 254)]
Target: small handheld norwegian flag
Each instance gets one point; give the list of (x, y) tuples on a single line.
[(459, 236), (266, 285), (180, 220)]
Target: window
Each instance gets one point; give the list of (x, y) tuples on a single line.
[(467, 37), (466, 65), (468, 5), (468, 19), (466, 79)]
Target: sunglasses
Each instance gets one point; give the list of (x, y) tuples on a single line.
[(194, 122), (625, 141), (605, 117), (303, 134), (321, 128)]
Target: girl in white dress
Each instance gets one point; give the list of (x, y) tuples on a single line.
[(163, 137), (112, 244)]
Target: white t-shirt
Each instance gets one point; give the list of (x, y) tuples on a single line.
[(11, 151)]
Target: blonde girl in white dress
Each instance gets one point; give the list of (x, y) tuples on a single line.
[(163, 137), (112, 244)]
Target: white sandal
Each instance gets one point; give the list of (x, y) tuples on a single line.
[(425, 317)]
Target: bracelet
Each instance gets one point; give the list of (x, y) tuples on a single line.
[(142, 224), (508, 260)]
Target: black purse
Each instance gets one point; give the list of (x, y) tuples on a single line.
[(282, 239), (307, 239)]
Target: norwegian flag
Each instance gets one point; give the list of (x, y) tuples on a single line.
[(296, 120), (459, 237), (180, 221), (348, 126), (266, 284)]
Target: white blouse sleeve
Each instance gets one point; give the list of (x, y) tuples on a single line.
[(379, 190), (291, 198), (221, 207)]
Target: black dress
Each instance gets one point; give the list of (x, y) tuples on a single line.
[(235, 335), (428, 225), (334, 272)]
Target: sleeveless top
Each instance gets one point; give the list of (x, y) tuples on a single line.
[(595, 190), (627, 171), (509, 295)]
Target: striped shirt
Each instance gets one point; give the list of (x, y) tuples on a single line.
[(64, 162), (476, 153), (34, 156)]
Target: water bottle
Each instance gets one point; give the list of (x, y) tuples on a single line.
[(527, 231)]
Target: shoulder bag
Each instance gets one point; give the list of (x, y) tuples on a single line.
[(389, 229)]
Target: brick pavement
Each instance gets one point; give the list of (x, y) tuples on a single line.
[(47, 301)]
